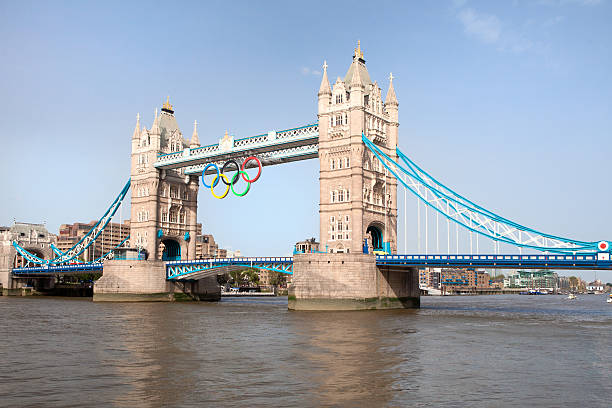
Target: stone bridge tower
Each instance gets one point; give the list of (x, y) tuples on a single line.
[(358, 197), (164, 202)]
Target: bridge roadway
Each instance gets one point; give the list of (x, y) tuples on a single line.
[(201, 268), (271, 148)]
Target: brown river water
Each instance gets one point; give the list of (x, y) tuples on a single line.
[(464, 351)]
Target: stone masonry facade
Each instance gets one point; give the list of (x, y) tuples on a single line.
[(164, 202), (357, 194)]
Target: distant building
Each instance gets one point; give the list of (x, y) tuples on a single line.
[(532, 280), (595, 286), (307, 246), (266, 278), (464, 279), (110, 237), (563, 282), (206, 247), (429, 278), (33, 237)]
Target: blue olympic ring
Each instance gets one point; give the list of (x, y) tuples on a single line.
[(216, 179)]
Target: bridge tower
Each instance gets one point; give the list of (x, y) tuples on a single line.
[(358, 198), (358, 202), (164, 202)]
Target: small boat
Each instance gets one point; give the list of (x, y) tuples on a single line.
[(571, 296), (609, 299)]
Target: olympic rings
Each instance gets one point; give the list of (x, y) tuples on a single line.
[(237, 176), (216, 179), (234, 180), (230, 182), (244, 176), (212, 187)]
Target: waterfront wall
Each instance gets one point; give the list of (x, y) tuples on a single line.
[(142, 281), (350, 282)]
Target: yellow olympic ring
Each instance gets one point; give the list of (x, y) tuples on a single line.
[(213, 184)]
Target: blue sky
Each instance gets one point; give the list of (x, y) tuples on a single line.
[(507, 102)]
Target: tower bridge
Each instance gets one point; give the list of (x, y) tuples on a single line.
[(360, 167)]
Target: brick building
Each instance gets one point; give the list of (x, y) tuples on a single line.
[(464, 279), (110, 237)]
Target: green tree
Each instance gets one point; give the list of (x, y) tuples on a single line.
[(277, 278), (573, 282), (499, 278), (248, 277)]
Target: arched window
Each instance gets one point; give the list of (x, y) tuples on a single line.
[(164, 215), (182, 217), (173, 215)]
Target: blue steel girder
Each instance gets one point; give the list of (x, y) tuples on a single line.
[(188, 270), (272, 148), (51, 270), (600, 261)]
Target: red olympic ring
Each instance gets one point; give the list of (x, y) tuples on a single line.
[(248, 159)]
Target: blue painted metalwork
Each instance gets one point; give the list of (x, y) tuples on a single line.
[(471, 216), (84, 242), (108, 254), (182, 270), (538, 261), (58, 269)]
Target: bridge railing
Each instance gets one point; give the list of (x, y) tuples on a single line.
[(263, 140)]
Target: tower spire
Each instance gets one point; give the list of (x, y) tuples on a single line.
[(195, 141), (356, 77), (391, 99), (155, 126), (324, 89), (167, 107), (358, 52), (136, 134)]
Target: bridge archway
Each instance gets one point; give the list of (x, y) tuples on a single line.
[(171, 251), (375, 232)]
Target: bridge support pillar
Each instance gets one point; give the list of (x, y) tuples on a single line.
[(145, 281), (350, 282)]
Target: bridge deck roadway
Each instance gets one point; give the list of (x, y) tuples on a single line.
[(201, 268), (587, 262), (284, 146)]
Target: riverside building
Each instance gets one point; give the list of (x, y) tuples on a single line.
[(532, 280), (464, 279), (110, 237)]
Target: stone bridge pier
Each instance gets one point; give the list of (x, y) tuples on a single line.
[(350, 282)]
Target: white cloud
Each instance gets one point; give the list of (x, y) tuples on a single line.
[(308, 71), (485, 27)]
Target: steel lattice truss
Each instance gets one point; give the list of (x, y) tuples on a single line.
[(85, 242), (189, 270), (303, 152), (291, 143), (472, 216)]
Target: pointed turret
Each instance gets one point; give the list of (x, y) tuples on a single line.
[(324, 89), (391, 99), (136, 134), (155, 128), (356, 77), (195, 141)]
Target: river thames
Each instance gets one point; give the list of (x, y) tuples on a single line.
[(455, 351)]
